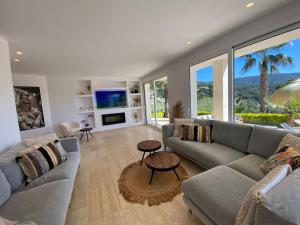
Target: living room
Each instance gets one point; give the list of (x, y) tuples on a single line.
[(135, 112)]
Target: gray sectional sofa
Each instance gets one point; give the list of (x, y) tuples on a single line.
[(232, 162), (45, 200)]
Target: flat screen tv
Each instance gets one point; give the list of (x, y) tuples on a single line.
[(110, 98)]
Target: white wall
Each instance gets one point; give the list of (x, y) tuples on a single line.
[(9, 129), (41, 82), (178, 70), (62, 100)]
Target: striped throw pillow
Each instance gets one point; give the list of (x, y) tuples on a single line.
[(195, 132), (39, 161)]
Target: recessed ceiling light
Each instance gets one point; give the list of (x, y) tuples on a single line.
[(19, 53), (17, 60), (250, 4), (189, 42)]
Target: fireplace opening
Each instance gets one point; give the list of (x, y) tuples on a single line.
[(114, 118)]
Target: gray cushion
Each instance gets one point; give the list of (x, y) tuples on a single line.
[(5, 190), (13, 172), (249, 166), (65, 170), (70, 144), (45, 205), (233, 135), (264, 141), (282, 203), (207, 155), (167, 131), (218, 192)]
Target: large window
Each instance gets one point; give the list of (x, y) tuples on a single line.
[(209, 89), (267, 81), (157, 108)]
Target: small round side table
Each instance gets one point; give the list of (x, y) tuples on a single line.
[(148, 146)]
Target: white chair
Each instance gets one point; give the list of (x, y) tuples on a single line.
[(69, 129)]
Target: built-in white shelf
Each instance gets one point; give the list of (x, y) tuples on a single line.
[(134, 94), (85, 111), (138, 107), (86, 103), (84, 96)]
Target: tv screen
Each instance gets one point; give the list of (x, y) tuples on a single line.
[(111, 99)]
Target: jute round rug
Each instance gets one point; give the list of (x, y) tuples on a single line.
[(135, 188)]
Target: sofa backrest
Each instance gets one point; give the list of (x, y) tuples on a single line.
[(264, 141), (204, 122), (282, 203), (232, 135)]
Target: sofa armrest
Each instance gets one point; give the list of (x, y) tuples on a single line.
[(167, 131), (70, 144)]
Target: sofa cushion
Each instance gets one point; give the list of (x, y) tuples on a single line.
[(264, 141), (207, 155), (44, 205), (66, 170), (5, 190), (233, 135), (218, 192), (13, 172), (249, 166), (275, 210)]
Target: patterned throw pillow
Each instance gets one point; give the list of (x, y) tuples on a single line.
[(289, 140), (178, 123), (195, 132), (44, 140), (280, 158), (37, 162)]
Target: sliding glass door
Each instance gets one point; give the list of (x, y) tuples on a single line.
[(157, 108)]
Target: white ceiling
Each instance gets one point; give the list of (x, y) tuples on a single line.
[(114, 38)]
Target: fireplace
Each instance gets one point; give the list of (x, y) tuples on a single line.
[(114, 118)]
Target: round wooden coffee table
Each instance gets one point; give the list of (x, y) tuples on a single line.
[(162, 161), (148, 146)]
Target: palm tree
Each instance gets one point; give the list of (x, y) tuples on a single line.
[(267, 62)]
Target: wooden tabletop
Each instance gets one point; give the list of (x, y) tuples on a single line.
[(149, 145), (162, 161)]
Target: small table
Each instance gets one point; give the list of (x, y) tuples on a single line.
[(148, 146), (162, 161), (87, 131)]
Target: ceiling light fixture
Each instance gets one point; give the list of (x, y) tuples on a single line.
[(249, 5), (189, 42), (19, 53), (17, 60)]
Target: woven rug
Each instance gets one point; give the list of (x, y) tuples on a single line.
[(135, 188)]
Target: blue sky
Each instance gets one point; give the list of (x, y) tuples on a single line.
[(292, 49)]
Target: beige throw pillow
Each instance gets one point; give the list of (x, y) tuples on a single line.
[(256, 194), (43, 140), (179, 122), (9, 222), (289, 140)]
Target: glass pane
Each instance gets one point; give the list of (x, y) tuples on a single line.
[(150, 103), (205, 91), (267, 81), (162, 106), (209, 89)]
